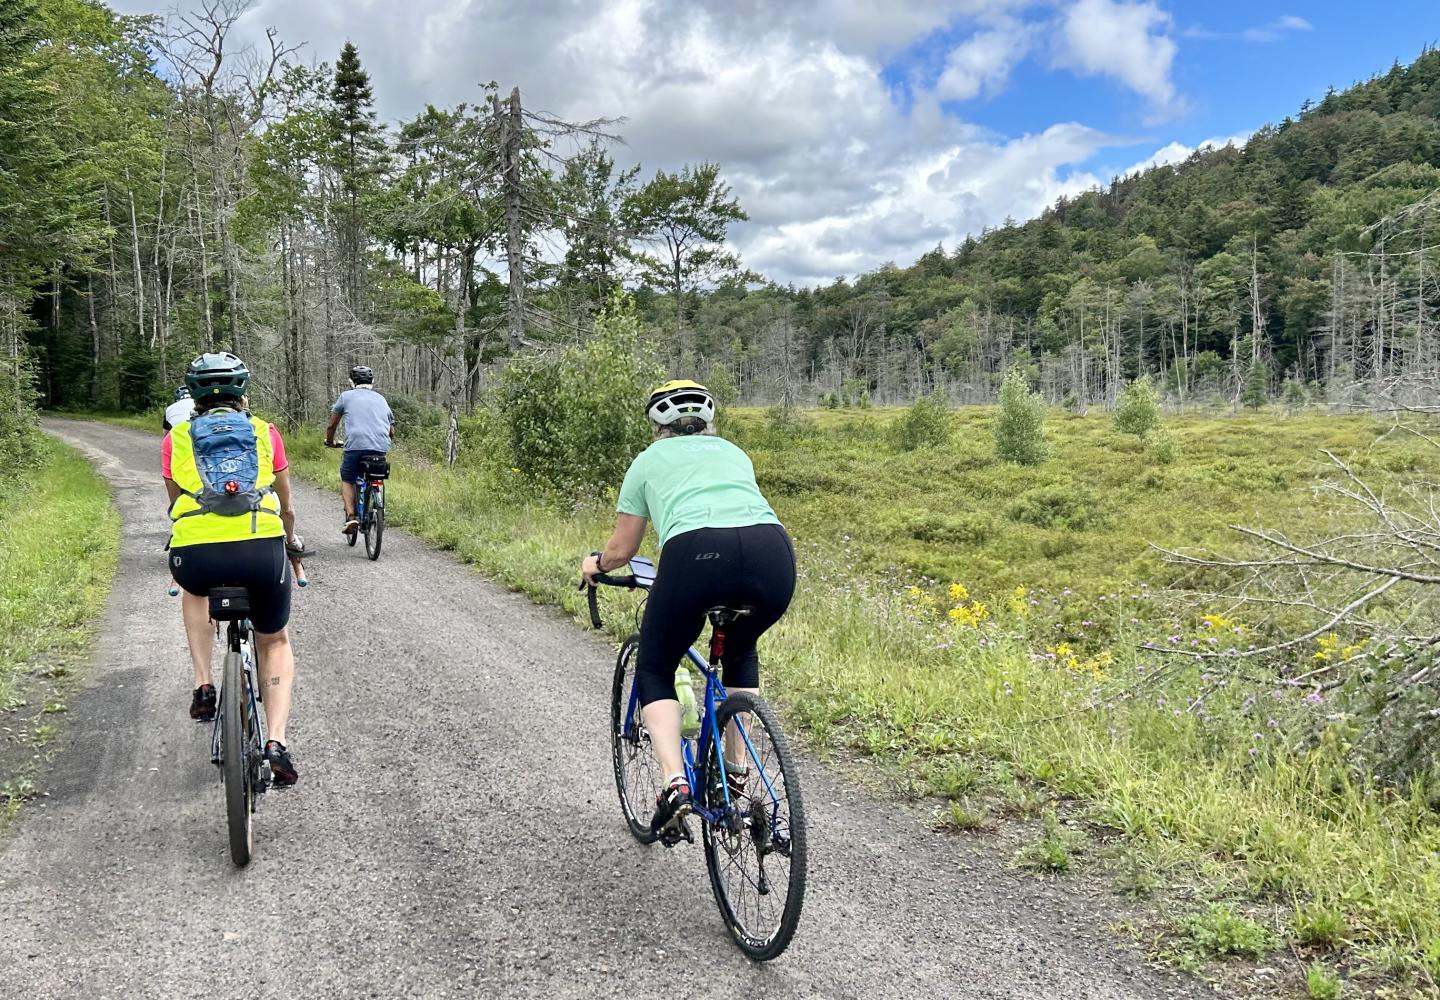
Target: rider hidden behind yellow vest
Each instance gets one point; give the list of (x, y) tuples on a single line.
[(193, 527)]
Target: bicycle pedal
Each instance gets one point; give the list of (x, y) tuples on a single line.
[(676, 833)]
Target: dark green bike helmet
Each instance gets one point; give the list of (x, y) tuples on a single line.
[(221, 374)]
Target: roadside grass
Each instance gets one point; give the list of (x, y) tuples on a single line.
[(59, 539), (980, 623)]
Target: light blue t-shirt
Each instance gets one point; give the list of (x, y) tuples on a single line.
[(367, 419), (698, 481)]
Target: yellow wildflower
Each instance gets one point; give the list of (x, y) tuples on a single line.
[(958, 593), (1017, 603)]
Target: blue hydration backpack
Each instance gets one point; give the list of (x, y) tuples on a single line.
[(227, 457)]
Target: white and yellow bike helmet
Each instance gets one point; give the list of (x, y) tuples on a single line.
[(678, 399)]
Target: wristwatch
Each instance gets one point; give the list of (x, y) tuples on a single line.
[(599, 561)]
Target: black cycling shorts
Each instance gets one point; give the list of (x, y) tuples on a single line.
[(260, 565), (750, 567)]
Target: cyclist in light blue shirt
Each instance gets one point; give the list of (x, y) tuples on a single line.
[(369, 429)]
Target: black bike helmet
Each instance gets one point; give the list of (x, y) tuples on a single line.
[(221, 374), (181, 393), (362, 375)]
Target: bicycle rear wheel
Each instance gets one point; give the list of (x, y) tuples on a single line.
[(756, 852), (235, 759), (375, 523), (637, 770)]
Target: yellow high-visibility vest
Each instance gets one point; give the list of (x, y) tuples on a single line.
[(192, 526)]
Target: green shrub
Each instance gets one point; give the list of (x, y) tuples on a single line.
[(1296, 399), (786, 423), (413, 417), (1139, 409), (864, 401), (721, 384), (1064, 505), (925, 425), (1020, 430), (1254, 387), (575, 419), (949, 529), (1222, 931), (1162, 447), (1055, 849), (1322, 983), (17, 414), (1319, 926)]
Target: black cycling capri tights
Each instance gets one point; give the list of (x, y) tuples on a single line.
[(257, 564), (750, 567)]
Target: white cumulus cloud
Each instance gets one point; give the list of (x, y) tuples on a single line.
[(794, 99), (982, 62), (1128, 41)]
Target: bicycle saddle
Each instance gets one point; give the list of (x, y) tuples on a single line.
[(229, 604), (722, 616)]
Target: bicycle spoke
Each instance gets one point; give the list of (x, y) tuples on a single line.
[(757, 870)]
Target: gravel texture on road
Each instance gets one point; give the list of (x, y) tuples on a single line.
[(455, 832)]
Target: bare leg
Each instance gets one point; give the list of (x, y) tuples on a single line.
[(277, 676), (347, 490), (737, 756), (199, 634), (662, 719)]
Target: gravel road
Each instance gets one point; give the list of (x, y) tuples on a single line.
[(455, 831)]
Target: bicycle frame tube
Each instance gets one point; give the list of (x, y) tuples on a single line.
[(239, 640), (710, 739)]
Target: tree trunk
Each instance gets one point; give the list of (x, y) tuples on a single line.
[(511, 132)]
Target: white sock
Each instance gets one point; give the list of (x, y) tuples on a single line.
[(670, 781)]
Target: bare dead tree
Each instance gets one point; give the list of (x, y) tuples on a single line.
[(1372, 578)]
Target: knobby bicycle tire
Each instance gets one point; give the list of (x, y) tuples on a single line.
[(631, 754), (234, 733), (375, 522), (723, 847)]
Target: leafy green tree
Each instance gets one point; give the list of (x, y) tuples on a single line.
[(682, 219), (925, 425), (1020, 429), (571, 419), (589, 197), (1139, 409)]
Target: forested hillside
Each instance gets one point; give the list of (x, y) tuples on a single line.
[(165, 190)]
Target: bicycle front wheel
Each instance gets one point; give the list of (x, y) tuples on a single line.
[(637, 770), (235, 762), (756, 851), (375, 524)]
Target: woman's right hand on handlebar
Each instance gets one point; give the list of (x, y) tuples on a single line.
[(334, 444), (590, 568)]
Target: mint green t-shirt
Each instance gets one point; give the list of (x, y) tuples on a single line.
[(685, 483)]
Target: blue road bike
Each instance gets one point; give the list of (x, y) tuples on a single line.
[(742, 775)]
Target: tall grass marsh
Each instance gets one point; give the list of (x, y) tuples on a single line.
[(961, 617)]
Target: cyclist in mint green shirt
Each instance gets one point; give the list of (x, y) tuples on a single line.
[(721, 544)]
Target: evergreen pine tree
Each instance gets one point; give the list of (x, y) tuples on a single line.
[(358, 147)]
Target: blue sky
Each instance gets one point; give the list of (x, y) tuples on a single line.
[(856, 132), (1237, 65)]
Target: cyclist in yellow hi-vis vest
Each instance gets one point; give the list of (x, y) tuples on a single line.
[(229, 485)]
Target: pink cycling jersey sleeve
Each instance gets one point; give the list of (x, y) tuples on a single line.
[(277, 447), (165, 448)]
